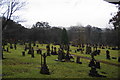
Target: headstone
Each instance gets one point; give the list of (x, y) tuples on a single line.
[(59, 55), (114, 58), (98, 65), (25, 47), (98, 52), (88, 50), (34, 44), (44, 68), (93, 72), (54, 52), (39, 51), (32, 52), (48, 50), (67, 56), (15, 46), (37, 46), (23, 53), (92, 63), (7, 49), (11, 47), (78, 60), (107, 54)]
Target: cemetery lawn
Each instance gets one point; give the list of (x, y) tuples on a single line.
[(17, 66)]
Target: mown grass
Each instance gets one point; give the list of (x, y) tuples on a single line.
[(17, 66)]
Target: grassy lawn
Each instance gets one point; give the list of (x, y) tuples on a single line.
[(17, 66)]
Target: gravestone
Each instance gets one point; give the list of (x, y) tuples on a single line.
[(114, 58), (39, 51), (118, 59), (7, 49), (59, 55), (88, 50), (34, 44), (32, 52), (98, 52), (107, 54), (11, 47), (23, 53), (15, 46), (93, 72), (92, 62), (54, 52), (98, 65), (78, 60), (44, 68), (67, 56), (25, 47), (37, 46), (29, 52), (48, 50)]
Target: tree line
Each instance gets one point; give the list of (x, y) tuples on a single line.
[(44, 33)]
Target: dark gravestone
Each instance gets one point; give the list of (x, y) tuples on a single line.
[(93, 72), (32, 52), (67, 56), (92, 63), (29, 52), (37, 46), (25, 47), (88, 50), (54, 52), (48, 50), (114, 58), (107, 54), (23, 53), (44, 68), (15, 47), (34, 44), (78, 60), (7, 49), (98, 52), (59, 55), (98, 65), (39, 51), (11, 47), (118, 59)]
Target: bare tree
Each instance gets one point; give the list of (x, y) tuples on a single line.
[(10, 7)]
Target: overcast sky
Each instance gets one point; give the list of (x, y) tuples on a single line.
[(68, 13)]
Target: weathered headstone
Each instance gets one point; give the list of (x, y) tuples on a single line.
[(107, 54), (25, 47), (88, 50), (60, 55), (11, 47), (23, 53), (67, 56), (78, 60), (15, 46), (118, 59), (92, 62), (48, 50), (7, 49), (93, 72), (39, 51), (44, 68), (98, 65), (32, 52)]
